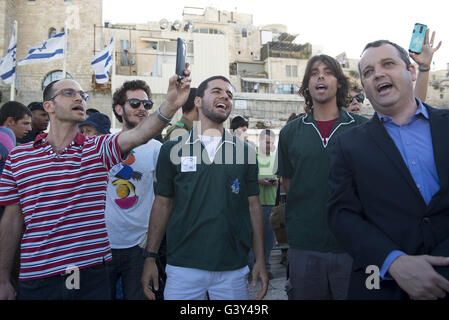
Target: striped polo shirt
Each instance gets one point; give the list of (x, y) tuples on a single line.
[(62, 197)]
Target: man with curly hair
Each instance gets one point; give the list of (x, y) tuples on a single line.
[(130, 192)]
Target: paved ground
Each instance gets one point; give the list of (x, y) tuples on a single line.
[(276, 287)]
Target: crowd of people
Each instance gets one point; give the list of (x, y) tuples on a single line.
[(86, 214)]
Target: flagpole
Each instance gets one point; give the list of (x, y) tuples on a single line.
[(113, 75), (65, 53), (12, 94)]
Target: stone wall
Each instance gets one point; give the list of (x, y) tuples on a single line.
[(36, 18)]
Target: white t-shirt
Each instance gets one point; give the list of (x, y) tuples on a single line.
[(130, 196), (211, 145)]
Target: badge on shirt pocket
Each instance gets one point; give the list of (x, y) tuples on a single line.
[(188, 164)]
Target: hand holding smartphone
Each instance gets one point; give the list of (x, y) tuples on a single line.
[(181, 52), (418, 37)]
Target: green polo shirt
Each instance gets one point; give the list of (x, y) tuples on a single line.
[(266, 163), (304, 157), (210, 225)]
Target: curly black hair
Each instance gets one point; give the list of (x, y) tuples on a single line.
[(120, 97)]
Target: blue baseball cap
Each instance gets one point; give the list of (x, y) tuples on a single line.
[(99, 121)]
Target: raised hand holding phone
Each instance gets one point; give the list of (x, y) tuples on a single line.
[(418, 37), (181, 52)]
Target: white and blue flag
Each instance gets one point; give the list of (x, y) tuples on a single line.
[(51, 49), (8, 63), (102, 62)]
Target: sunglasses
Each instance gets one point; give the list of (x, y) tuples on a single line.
[(71, 93), (135, 103), (359, 97)]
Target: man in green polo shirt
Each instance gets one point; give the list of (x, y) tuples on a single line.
[(318, 267), (268, 183), (185, 124), (207, 202)]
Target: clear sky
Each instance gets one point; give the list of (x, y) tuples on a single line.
[(334, 25)]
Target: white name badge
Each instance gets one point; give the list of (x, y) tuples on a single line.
[(188, 164)]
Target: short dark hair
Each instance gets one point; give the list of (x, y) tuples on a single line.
[(266, 132), (238, 122), (13, 109), (190, 103), (375, 44), (203, 85), (48, 91), (331, 63), (119, 97)]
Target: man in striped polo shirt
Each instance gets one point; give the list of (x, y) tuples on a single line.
[(55, 188)]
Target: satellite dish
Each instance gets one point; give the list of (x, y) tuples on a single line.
[(189, 26), (163, 23), (176, 25)]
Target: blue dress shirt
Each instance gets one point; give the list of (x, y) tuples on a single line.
[(414, 142)]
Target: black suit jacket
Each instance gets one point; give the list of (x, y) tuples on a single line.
[(375, 206)]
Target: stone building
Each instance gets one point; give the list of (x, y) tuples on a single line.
[(264, 63), (438, 88), (218, 42), (37, 21)]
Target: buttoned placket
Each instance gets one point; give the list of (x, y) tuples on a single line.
[(52, 152)]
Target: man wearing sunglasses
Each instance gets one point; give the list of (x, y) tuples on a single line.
[(130, 192), (60, 202), (355, 99)]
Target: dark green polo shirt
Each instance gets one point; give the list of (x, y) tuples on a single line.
[(210, 225), (304, 157)]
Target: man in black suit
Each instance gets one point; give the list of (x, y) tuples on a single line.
[(389, 181)]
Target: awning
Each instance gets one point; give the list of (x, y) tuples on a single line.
[(258, 80)]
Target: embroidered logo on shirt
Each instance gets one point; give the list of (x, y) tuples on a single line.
[(235, 186)]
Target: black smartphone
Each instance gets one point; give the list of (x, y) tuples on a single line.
[(181, 51), (418, 36)]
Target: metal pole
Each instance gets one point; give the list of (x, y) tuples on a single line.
[(112, 77), (64, 61), (12, 94)]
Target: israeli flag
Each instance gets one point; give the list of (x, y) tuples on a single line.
[(8, 63), (102, 62), (51, 49)]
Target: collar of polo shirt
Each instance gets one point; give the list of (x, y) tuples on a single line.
[(193, 136)]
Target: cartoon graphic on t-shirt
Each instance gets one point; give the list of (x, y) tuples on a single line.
[(125, 189)]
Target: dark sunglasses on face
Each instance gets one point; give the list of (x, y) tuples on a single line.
[(359, 97), (135, 103), (71, 93)]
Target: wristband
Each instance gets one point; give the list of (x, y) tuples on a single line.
[(148, 254), (423, 70), (162, 117)]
